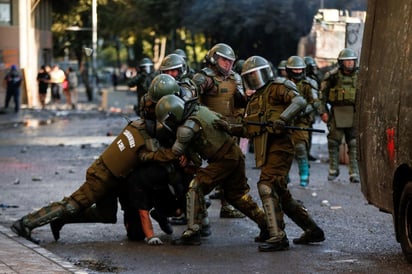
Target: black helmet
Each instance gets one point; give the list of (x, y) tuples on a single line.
[(174, 61), (295, 62), (221, 50), (256, 72), (347, 54), (146, 65), (161, 85), (170, 111)]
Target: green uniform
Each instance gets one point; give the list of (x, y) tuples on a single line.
[(339, 91), (305, 119), (226, 167), (96, 199), (274, 152)]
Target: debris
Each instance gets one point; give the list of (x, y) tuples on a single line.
[(8, 206), (36, 179), (325, 203)]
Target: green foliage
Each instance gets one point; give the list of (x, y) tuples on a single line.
[(270, 28)]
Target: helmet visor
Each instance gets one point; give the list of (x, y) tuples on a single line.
[(256, 77)]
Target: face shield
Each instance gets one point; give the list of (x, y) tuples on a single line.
[(256, 78)]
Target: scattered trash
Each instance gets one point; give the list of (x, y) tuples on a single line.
[(335, 207), (325, 203), (8, 206), (36, 179), (16, 182), (314, 194), (71, 171), (23, 150)]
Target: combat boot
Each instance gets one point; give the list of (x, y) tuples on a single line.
[(270, 246), (103, 212), (228, 211), (310, 236), (47, 214), (189, 237)]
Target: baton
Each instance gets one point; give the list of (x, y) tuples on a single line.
[(263, 124)]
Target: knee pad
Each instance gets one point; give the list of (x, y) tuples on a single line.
[(300, 150), (265, 190)]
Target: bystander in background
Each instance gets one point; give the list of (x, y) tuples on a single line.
[(43, 79), (57, 77), (12, 82)]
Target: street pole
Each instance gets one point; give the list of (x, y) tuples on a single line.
[(94, 47)]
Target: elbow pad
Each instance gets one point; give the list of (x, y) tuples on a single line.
[(297, 104)]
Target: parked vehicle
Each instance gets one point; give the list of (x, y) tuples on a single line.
[(384, 114)]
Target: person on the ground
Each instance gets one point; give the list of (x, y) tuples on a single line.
[(12, 83), (221, 90), (338, 90), (193, 127), (273, 106), (108, 179)]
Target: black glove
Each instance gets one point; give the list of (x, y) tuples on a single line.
[(278, 125), (221, 125)]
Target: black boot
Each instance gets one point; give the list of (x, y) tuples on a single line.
[(22, 230), (55, 227), (263, 236), (277, 246), (310, 236), (189, 237)]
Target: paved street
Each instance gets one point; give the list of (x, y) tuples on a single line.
[(44, 156)]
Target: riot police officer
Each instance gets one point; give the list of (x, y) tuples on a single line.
[(273, 105), (295, 69), (221, 90), (226, 163), (174, 65), (142, 80), (106, 179), (338, 90)]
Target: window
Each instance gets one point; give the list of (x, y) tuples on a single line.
[(5, 12)]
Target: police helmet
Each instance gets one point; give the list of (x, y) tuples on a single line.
[(293, 63), (161, 85), (174, 61), (170, 111), (347, 54), (221, 50), (256, 72)]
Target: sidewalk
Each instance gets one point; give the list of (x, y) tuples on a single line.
[(17, 255)]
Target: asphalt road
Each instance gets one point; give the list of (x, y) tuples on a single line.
[(43, 163)]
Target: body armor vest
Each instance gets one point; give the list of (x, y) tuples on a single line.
[(211, 140), (222, 101), (258, 110), (120, 157), (343, 93)]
